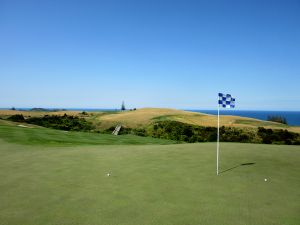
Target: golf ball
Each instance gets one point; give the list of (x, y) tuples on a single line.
[(108, 174), (265, 179)]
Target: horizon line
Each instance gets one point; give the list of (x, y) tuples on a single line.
[(107, 108)]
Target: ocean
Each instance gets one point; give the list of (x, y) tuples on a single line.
[(292, 117)]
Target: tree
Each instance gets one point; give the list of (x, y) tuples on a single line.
[(123, 106), (278, 119)]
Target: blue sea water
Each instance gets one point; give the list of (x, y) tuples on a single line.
[(292, 117)]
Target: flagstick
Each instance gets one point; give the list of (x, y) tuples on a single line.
[(218, 139)]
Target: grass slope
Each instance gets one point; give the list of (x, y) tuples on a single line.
[(150, 184), (34, 135), (143, 117)]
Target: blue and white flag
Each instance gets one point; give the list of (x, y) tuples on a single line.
[(226, 101)]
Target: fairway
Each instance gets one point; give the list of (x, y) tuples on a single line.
[(149, 184)]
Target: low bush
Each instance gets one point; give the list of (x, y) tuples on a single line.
[(17, 118), (172, 130), (278, 119), (182, 132), (65, 122), (279, 136)]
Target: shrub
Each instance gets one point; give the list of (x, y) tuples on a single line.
[(17, 118), (190, 133), (278, 119), (65, 122), (278, 136)]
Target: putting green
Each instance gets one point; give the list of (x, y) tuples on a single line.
[(149, 184)]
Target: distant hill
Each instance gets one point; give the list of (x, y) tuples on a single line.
[(143, 117), (46, 110)]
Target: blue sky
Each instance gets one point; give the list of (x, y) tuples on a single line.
[(164, 53)]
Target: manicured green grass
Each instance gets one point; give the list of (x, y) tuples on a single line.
[(45, 136), (149, 184)]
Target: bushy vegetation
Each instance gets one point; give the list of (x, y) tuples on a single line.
[(17, 118), (278, 119), (65, 122), (172, 130), (182, 132), (232, 134), (270, 136), (190, 133)]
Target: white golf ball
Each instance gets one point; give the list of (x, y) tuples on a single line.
[(265, 179), (108, 174)]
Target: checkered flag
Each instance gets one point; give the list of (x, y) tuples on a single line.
[(226, 101)]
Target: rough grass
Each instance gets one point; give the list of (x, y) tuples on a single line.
[(25, 113), (149, 184), (137, 118), (260, 123), (28, 134), (143, 117)]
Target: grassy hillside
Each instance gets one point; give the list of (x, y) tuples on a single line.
[(143, 117), (149, 184), (5, 113), (34, 135)]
